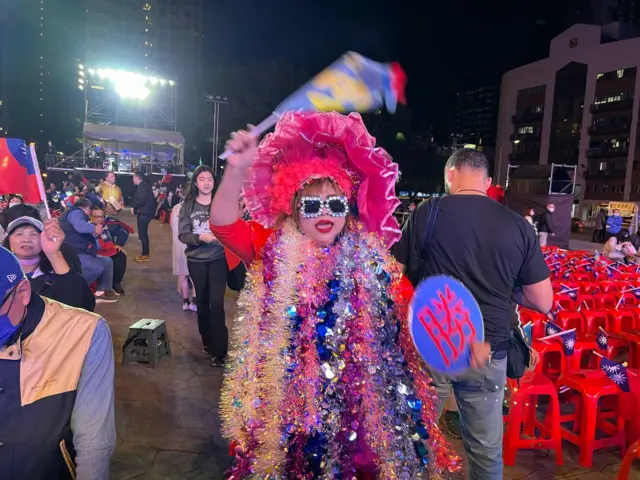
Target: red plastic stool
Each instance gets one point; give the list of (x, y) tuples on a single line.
[(567, 320), (587, 302), (594, 319), (632, 339), (622, 319), (548, 352), (583, 347), (522, 411), (627, 462), (590, 387), (609, 287)]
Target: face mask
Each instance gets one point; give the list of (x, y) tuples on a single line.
[(7, 329), (13, 203)]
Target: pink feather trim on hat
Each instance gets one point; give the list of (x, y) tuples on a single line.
[(307, 146)]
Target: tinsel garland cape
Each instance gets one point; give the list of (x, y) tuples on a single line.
[(324, 380)]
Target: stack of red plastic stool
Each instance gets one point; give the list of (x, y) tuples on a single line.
[(522, 412), (590, 387)]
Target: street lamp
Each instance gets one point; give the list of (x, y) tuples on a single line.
[(515, 142)]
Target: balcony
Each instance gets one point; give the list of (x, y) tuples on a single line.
[(608, 129), (595, 173), (525, 137), (524, 158), (527, 117), (610, 153), (611, 106)]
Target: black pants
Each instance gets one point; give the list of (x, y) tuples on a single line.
[(119, 267), (210, 281), (143, 232)]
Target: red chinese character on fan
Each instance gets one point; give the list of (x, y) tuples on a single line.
[(448, 323)]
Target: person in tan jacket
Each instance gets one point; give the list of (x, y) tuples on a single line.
[(112, 195)]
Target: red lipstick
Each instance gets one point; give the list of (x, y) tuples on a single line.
[(324, 226)]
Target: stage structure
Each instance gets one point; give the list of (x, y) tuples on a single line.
[(216, 100), (130, 122), (129, 149), (535, 186)]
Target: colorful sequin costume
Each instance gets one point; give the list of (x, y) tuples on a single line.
[(324, 381)]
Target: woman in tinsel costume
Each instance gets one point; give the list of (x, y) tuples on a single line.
[(324, 380)]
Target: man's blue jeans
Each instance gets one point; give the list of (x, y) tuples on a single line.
[(479, 395), (97, 269)]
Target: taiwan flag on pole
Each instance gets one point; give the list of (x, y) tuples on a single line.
[(352, 83), (629, 399), (19, 171)]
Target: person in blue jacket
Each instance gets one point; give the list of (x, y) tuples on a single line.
[(614, 224)]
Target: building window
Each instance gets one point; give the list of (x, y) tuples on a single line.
[(599, 76), (603, 166), (525, 130), (613, 97), (537, 108), (620, 73)]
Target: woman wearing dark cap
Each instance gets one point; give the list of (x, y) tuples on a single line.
[(39, 248)]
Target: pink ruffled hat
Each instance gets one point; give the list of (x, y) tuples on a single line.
[(307, 146)]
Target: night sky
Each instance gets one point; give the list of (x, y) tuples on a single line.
[(435, 41)]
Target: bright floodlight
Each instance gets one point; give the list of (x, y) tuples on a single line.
[(128, 84)]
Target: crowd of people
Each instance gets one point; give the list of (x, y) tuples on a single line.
[(322, 375)]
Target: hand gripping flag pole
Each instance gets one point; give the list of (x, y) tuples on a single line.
[(351, 84)]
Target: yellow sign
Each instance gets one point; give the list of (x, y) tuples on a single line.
[(626, 208)]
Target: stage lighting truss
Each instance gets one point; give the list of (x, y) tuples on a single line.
[(119, 97)]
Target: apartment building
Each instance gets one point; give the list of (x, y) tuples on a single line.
[(577, 107)]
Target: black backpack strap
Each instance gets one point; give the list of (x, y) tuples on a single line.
[(431, 223)]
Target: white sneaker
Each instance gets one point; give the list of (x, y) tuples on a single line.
[(193, 307), (185, 307)]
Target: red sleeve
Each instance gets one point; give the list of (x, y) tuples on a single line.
[(405, 290), (244, 239)]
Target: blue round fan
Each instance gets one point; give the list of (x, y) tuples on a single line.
[(444, 319)]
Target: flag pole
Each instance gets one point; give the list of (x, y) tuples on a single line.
[(555, 335), (256, 131), (36, 167)]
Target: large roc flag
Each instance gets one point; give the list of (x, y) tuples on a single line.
[(19, 171)]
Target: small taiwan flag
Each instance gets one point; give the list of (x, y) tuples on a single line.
[(572, 292), (602, 340), (551, 329), (568, 341), (616, 372)]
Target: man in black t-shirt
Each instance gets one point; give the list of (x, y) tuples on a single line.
[(495, 254)]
